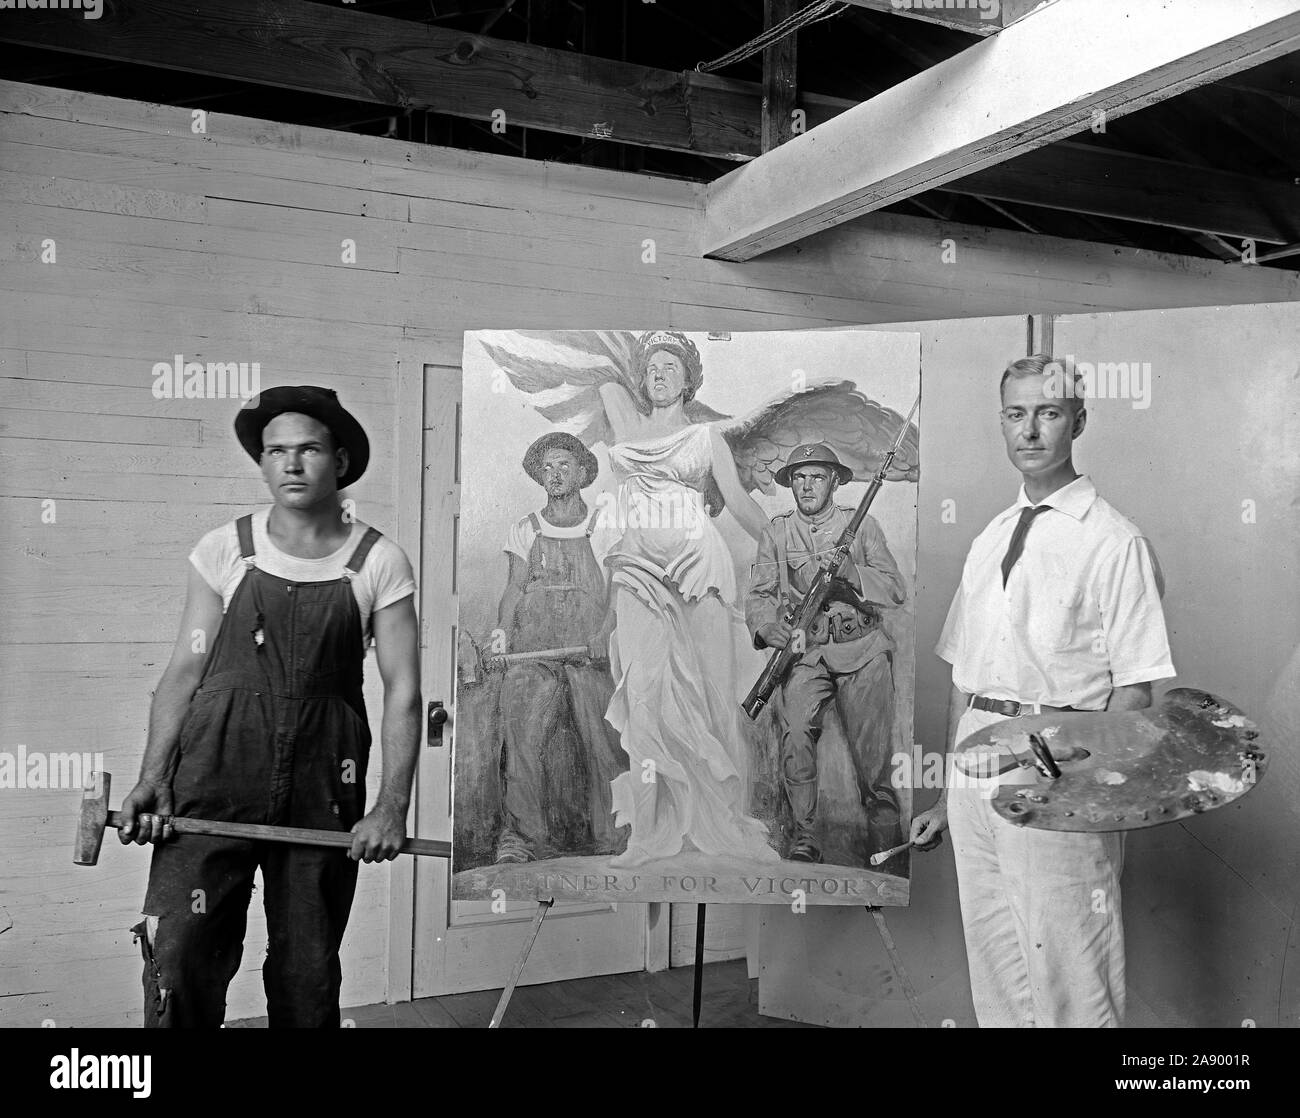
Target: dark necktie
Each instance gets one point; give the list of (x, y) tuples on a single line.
[(1017, 544)]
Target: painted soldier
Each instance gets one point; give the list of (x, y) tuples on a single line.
[(556, 597), (847, 656)]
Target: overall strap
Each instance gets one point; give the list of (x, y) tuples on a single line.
[(782, 563), (244, 530), (358, 559), (536, 558)]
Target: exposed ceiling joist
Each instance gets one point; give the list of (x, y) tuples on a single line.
[(339, 52), (780, 70), (1217, 246), (1279, 254), (715, 117), (979, 17), (1106, 183), (997, 99)]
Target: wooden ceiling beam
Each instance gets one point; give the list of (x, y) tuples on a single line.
[(1217, 246), (1086, 179), (340, 52), (997, 99), (977, 17), (404, 65), (780, 69), (1270, 130), (1279, 254)]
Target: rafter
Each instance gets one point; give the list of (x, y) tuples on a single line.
[(978, 17), (318, 48), (995, 100), (410, 67)]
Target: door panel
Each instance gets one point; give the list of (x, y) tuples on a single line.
[(464, 945)]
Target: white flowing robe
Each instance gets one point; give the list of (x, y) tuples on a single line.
[(673, 655)]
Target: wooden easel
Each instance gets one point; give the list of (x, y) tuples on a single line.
[(543, 907), (698, 995), (697, 999), (878, 914)]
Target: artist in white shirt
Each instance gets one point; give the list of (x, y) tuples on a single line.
[(1058, 607)]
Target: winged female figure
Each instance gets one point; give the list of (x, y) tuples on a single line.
[(678, 633)]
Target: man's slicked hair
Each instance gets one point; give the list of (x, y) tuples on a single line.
[(1043, 364), (333, 438)]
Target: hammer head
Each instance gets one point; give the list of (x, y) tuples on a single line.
[(93, 820), (469, 659)]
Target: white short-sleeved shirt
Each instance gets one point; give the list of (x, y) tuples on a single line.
[(604, 535), (1080, 613), (385, 577)]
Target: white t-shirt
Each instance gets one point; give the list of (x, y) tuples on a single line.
[(385, 577), (1080, 613), (520, 537)]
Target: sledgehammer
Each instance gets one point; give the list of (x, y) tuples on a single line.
[(95, 817)]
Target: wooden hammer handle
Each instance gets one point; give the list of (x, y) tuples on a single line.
[(566, 653), (434, 848)]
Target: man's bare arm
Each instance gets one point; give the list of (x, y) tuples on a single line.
[(620, 409), (516, 579), (1136, 696), (379, 835), (152, 795), (749, 515)]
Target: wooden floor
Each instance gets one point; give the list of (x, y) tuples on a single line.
[(616, 1001)]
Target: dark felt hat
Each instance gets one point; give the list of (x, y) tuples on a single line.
[(813, 454), (306, 399)]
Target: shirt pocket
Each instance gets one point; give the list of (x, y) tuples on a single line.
[(1055, 619)]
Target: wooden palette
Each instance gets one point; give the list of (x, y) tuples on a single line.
[(1124, 770)]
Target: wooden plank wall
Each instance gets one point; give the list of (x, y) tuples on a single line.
[(226, 245)]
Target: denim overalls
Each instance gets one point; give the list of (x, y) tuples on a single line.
[(275, 733)]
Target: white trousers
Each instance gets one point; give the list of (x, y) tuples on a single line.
[(1041, 911)]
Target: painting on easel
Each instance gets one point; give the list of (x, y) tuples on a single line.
[(642, 516)]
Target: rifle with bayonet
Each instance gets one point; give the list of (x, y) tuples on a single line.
[(802, 617)]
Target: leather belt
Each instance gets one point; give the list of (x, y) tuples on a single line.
[(1009, 708)]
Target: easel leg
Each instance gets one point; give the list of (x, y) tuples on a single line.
[(699, 966), (543, 907), (878, 914)]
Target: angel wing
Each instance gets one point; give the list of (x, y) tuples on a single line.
[(564, 369), (833, 412)]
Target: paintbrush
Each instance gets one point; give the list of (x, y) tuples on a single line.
[(885, 855)]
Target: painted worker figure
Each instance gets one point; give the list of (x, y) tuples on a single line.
[(557, 596), (259, 718), (1058, 609), (848, 657)]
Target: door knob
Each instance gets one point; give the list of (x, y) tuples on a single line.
[(437, 719)]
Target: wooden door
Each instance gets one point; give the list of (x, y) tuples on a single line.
[(464, 945)]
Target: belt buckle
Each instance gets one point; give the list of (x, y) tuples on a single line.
[(1025, 708)]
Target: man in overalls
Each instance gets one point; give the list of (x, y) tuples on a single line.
[(848, 656), (557, 596), (259, 718)]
